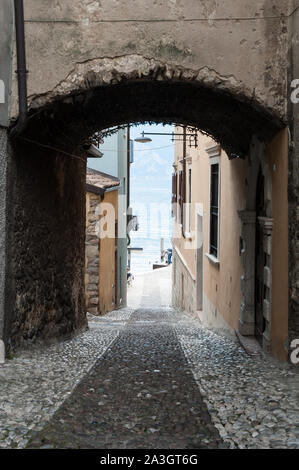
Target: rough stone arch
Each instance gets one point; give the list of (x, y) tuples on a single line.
[(96, 95), (105, 92), (240, 54)]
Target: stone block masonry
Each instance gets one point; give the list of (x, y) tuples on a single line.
[(92, 255), (48, 241), (293, 188), (3, 181), (6, 236)]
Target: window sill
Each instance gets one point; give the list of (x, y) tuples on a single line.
[(215, 261)]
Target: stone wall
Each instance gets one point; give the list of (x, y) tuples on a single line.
[(3, 226), (92, 254), (293, 190), (48, 229)]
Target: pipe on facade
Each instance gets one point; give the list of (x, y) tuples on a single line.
[(21, 62), (184, 180)]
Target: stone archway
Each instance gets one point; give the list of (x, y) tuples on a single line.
[(49, 169), (143, 89), (83, 57)]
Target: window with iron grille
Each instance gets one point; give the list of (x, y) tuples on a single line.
[(214, 210)]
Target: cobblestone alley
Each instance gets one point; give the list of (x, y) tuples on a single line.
[(147, 377)]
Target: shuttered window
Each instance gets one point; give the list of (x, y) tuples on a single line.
[(181, 197), (214, 210), (174, 198), (189, 198), (174, 188)]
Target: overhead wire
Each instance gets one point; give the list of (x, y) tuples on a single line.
[(50, 147)]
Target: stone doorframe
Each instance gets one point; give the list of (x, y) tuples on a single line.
[(257, 158)]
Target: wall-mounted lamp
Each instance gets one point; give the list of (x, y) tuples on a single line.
[(175, 136), (143, 139)]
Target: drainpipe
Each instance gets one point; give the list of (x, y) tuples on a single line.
[(184, 178), (21, 61), (128, 166)]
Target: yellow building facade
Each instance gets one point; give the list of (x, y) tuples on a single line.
[(101, 242), (230, 239)]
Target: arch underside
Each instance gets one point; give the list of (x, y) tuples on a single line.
[(49, 186), (231, 120)]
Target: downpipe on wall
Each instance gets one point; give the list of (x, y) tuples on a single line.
[(21, 63), (22, 95)]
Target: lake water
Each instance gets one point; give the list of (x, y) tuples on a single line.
[(150, 177), (155, 222)]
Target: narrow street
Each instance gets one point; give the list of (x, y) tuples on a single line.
[(147, 377), (141, 394), (149, 227)]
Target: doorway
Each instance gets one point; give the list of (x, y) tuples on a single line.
[(260, 287)]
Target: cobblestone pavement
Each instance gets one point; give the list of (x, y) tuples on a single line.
[(147, 377), (254, 403), (140, 394), (37, 380)]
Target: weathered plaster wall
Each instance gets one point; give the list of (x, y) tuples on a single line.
[(100, 251), (225, 293), (48, 256), (77, 50), (244, 42), (107, 287), (221, 285), (184, 284), (6, 41), (277, 153)]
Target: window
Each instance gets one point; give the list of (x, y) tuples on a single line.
[(174, 188), (214, 210), (181, 197), (189, 199), (174, 198)]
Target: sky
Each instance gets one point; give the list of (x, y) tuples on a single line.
[(151, 180), (152, 161), (150, 192), (151, 187)]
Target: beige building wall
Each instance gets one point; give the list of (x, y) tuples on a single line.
[(221, 280), (222, 288), (107, 281), (222, 294), (277, 152)]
